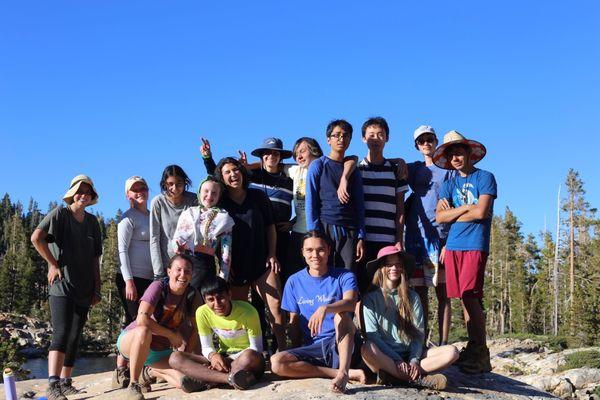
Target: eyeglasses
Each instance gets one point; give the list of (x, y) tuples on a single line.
[(425, 139), (397, 265), (139, 189), (339, 136), (88, 192)]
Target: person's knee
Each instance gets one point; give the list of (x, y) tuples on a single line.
[(142, 333), (343, 322), (279, 361), (452, 354), (176, 359)]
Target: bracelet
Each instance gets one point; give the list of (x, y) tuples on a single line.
[(143, 313)]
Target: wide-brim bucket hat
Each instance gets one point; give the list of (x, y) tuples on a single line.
[(272, 143), (74, 187), (408, 261), (478, 150)]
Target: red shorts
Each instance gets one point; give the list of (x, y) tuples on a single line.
[(464, 273)]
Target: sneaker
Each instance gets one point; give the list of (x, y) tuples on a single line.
[(54, 392), (67, 387), (120, 378), (479, 362), (134, 392), (190, 385), (465, 353), (433, 381)]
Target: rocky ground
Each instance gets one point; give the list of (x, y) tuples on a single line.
[(522, 369)]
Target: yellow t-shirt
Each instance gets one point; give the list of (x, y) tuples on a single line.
[(233, 330)]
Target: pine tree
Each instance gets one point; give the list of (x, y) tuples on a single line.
[(107, 315)]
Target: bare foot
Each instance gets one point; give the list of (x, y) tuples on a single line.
[(358, 375), (338, 384)]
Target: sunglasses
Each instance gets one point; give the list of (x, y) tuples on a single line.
[(426, 139)]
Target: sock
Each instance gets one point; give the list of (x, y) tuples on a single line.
[(65, 381), (53, 379)]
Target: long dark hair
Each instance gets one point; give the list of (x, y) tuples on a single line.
[(177, 171), (231, 160)]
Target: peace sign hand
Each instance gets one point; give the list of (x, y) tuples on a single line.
[(205, 148)]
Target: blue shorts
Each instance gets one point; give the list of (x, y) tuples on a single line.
[(324, 353), (153, 356)]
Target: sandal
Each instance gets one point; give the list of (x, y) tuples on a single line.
[(241, 379)]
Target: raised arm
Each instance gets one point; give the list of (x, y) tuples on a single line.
[(209, 162)]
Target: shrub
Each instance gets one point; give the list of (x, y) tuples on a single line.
[(589, 358)]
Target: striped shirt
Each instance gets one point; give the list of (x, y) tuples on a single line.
[(380, 186), (278, 188)]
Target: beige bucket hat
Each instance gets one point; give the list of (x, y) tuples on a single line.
[(75, 184), (453, 137)]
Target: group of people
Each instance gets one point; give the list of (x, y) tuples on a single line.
[(328, 251)]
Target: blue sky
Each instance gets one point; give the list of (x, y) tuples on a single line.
[(112, 88)]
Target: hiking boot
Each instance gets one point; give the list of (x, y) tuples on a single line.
[(433, 381), (146, 380), (54, 391), (134, 392), (120, 378), (190, 385), (478, 362), (386, 379), (241, 379), (465, 353), (67, 388)]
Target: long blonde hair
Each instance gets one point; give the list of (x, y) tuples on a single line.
[(407, 329)]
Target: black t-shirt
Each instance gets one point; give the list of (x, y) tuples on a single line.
[(249, 236), (279, 189), (74, 244)]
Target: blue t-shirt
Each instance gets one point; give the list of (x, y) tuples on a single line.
[(322, 202), (304, 293), (423, 234), (474, 235)]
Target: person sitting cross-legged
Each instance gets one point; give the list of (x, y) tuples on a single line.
[(320, 300), (238, 361), (394, 323)]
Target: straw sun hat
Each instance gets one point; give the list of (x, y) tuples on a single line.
[(453, 137)]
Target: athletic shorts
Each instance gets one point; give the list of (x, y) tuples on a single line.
[(324, 353), (153, 356), (464, 273), (423, 276)]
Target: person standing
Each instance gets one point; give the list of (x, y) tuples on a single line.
[(165, 210), (384, 195), (135, 274), (69, 239), (467, 203), (425, 238), (343, 223)]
